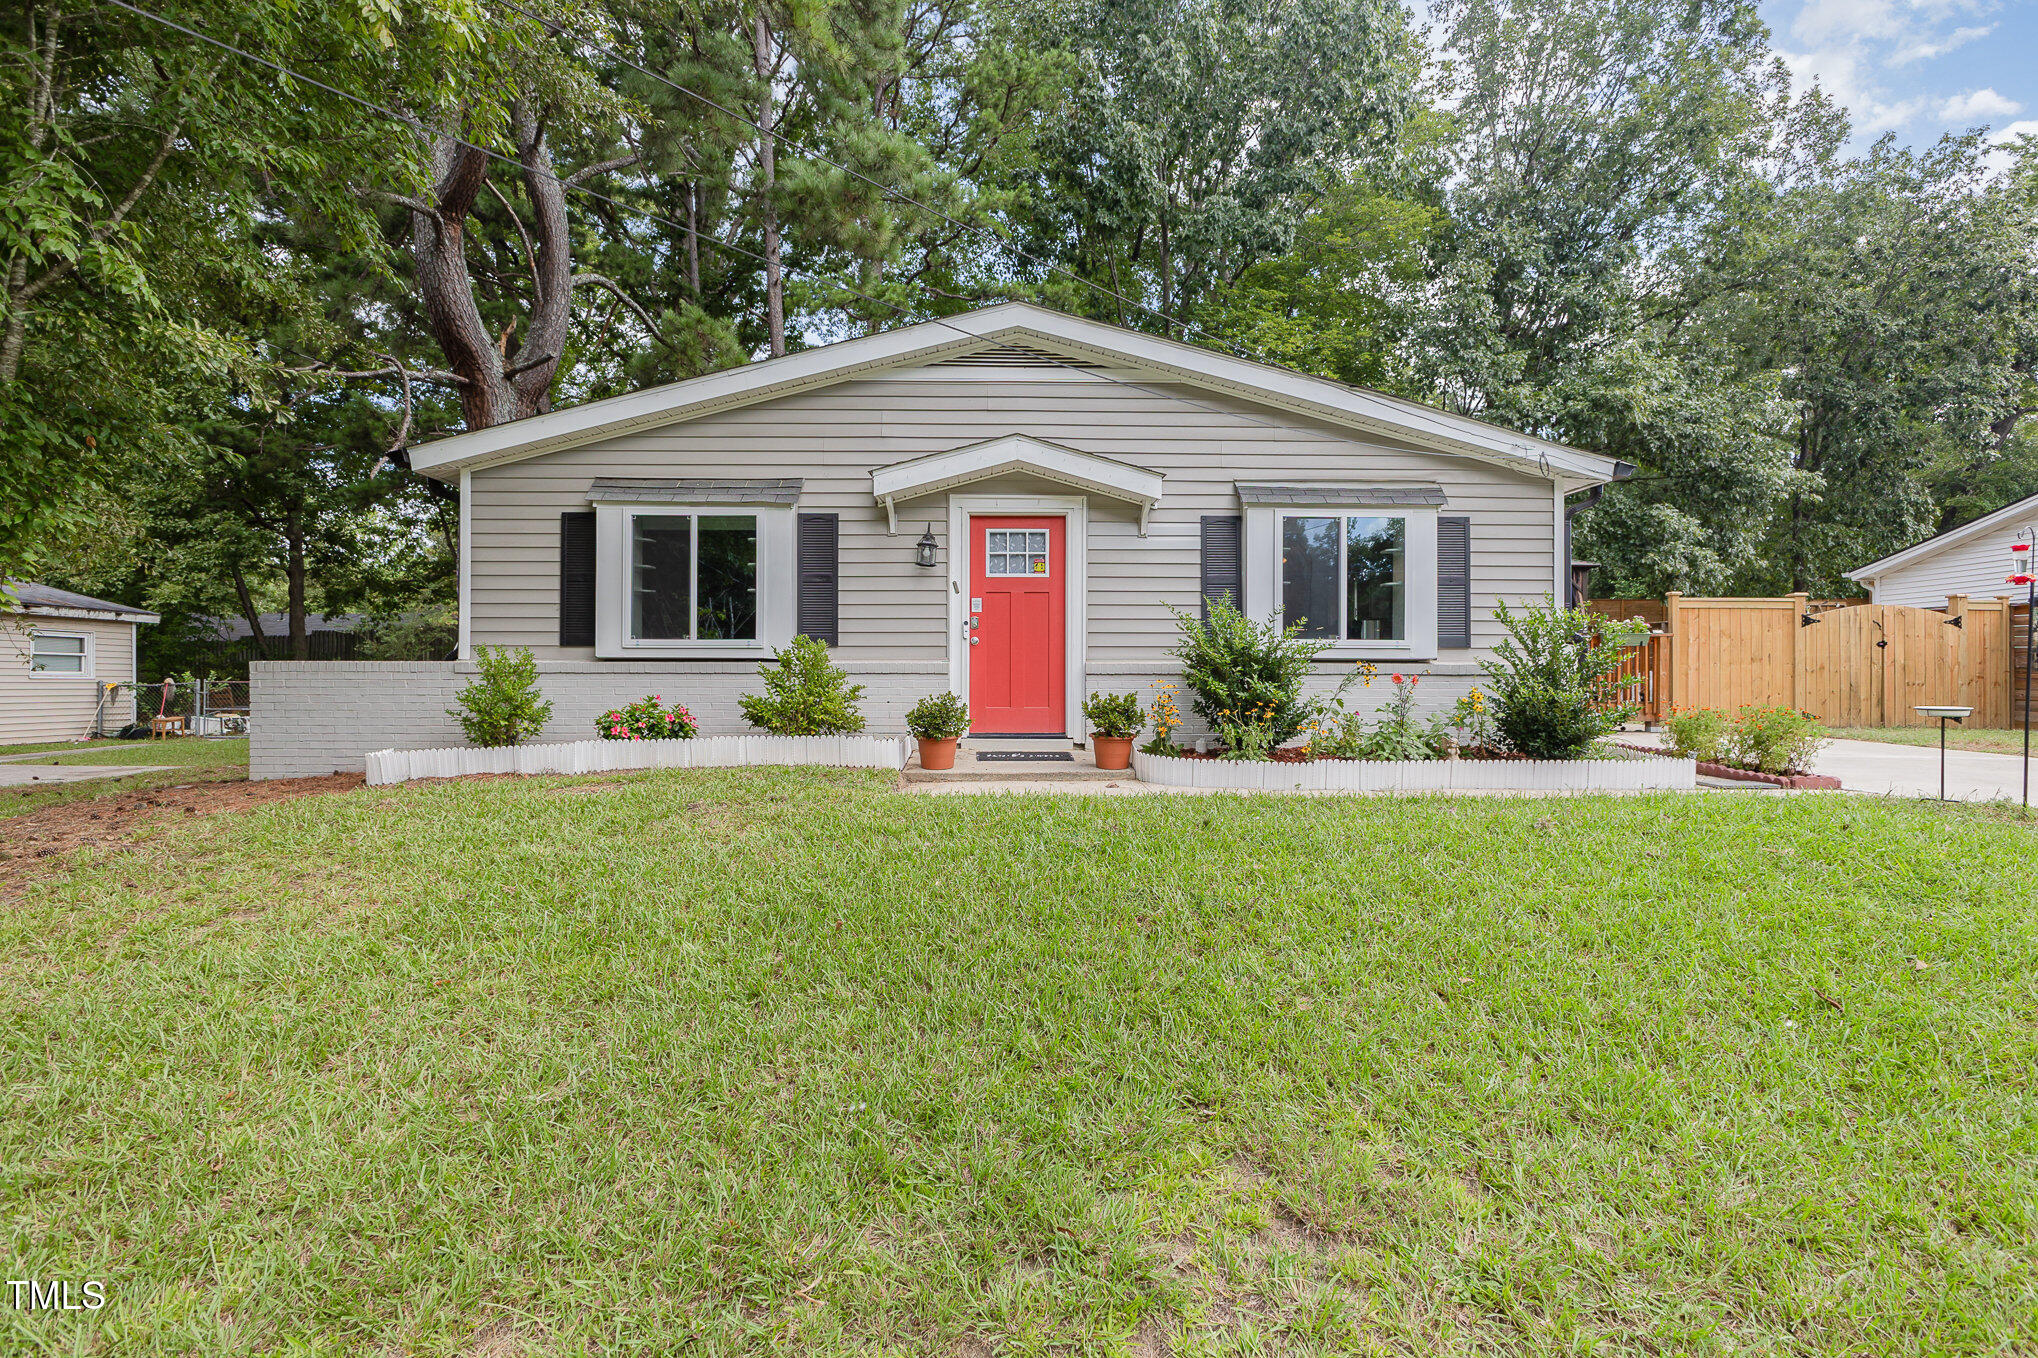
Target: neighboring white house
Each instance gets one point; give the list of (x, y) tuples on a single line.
[(1973, 559), (58, 650)]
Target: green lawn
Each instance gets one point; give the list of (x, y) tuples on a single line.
[(1957, 737), (781, 1061), (182, 761)]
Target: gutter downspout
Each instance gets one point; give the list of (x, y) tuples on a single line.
[(1621, 472)]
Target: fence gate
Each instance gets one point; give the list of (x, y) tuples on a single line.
[(1865, 665)]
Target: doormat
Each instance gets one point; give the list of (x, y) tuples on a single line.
[(1030, 756)]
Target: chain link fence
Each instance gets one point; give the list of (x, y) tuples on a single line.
[(192, 707)]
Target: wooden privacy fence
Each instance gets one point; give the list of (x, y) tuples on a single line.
[(1866, 665)]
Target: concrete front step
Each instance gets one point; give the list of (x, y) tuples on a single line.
[(1081, 768)]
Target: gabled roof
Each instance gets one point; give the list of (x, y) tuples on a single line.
[(1016, 453), (1090, 346), (63, 603), (2005, 517)]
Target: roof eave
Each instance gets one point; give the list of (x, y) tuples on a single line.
[(1312, 397)]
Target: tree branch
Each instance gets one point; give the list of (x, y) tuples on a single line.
[(400, 199), (595, 280), (526, 364), (30, 291), (601, 167)]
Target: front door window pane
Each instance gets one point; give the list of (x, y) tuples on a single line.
[(661, 577), (1309, 575), (727, 579), (1376, 579)]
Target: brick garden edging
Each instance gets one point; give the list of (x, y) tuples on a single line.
[(1802, 782)]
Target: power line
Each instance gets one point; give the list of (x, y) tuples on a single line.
[(645, 213), (558, 28)]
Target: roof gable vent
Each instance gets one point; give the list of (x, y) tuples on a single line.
[(1013, 356)]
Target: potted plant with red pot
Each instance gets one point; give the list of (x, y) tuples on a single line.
[(1114, 720), (937, 722)]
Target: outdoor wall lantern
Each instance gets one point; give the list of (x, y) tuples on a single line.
[(925, 549)]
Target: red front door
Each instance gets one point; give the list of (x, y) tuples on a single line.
[(1017, 601)]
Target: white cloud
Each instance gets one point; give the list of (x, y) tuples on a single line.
[(2027, 128), (1978, 106), (1866, 53), (1925, 49)]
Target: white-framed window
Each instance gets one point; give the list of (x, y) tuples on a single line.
[(1344, 577), (693, 577), (1361, 577), (703, 580), (60, 654), (1015, 551)]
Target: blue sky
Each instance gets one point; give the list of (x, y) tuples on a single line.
[(1917, 68)]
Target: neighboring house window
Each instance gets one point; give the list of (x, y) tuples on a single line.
[(693, 577), (1345, 577), (59, 653)]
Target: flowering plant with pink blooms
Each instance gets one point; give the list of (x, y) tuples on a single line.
[(647, 719)]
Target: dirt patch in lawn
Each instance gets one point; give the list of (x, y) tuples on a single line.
[(35, 843)]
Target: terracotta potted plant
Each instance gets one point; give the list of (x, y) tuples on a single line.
[(937, 722), (1114, 720)]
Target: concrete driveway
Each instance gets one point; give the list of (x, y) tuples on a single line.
[(1911, 770), (26, 775)]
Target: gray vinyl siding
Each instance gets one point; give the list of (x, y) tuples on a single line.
[(892, 610), (1978, 568)]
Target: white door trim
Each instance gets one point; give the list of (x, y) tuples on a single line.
[(1075, 601)]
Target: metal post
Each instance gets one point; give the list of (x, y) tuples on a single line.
[(2030, 625), (1942, 759)]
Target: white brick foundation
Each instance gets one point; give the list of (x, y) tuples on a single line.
[(317, 717), (323, 716)]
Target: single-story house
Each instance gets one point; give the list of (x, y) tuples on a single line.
[(1973, 559), (59, 653), (1006, 503)]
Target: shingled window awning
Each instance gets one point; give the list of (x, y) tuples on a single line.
[(1339, 495), (694, 490)]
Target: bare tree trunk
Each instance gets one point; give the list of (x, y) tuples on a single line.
[(767, 180), (693, 239), (293, 534), (41, 113), (495, 387), (249, 612)]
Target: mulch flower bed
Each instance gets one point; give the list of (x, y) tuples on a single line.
[(1802, 782)]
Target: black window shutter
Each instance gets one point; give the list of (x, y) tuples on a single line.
[(821, 577), (576, 578), (1454, 582), (1223, 560)]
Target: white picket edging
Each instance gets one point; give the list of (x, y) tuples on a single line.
[(1641, 773), (602, 756)]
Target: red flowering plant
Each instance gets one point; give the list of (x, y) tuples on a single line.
[(646, 719)]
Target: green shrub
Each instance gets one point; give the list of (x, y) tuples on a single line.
[(939, 716), (646, 719), (1774, 740), (1115, 716), (1552, 679), (805, 694), (1242, 674), (1697, 733), (502, 705)]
